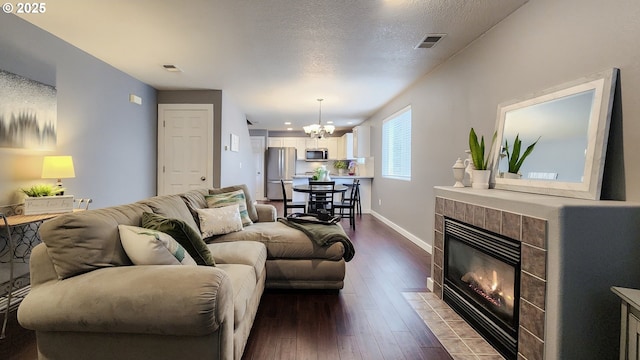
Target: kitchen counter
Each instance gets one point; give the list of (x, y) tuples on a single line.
[(365, 187), (306, 176)]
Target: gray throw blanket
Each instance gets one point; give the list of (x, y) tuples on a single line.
[(324, 235)]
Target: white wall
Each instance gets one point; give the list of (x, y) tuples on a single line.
[(543, 44)]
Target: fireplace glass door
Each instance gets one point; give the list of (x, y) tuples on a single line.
[(482, 282), (485, 279)]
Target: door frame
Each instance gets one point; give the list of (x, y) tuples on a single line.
[(161, 141), (262, 170)]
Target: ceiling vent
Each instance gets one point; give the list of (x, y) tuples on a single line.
[(430, 41), (171, 68)]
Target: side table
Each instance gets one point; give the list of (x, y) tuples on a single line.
[(14, 228), (629, 322)]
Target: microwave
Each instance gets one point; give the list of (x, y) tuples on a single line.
[(316, 155)]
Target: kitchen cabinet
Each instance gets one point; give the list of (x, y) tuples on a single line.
[(362, 141), (275, 142), (345, 147), (303, 143)]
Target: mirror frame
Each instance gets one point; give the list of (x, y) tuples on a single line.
[(604, 84)]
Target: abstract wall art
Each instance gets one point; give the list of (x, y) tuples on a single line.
[(28, 113)]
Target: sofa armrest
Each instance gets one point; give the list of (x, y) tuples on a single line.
[(266, 212), (153, 299)]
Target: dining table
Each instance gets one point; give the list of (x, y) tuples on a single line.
[(305, 188)]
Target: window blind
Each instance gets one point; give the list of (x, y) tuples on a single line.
[(396, 145)]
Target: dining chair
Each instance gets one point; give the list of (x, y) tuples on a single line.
[(288, 204), (321, 196), (348, 205), (356, 194)]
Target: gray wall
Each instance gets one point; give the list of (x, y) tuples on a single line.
[(201, 97), (229, 168), (543, 44), (112, 141), (236, 167)]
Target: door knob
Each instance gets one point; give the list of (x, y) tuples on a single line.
[(203, 178)]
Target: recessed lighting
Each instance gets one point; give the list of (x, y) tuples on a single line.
[(289, 129), (172, 68), (350, 122), (329, 122), (287, 123)]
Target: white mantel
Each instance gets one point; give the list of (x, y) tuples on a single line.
[(590, 246)]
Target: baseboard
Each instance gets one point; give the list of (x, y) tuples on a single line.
[(430, 284), (414, 239)]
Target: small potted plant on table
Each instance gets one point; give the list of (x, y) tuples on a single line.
[(44, 199), (341, 166), (482, 173)]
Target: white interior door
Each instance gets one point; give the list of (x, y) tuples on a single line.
[(258, 146), (185, 147)]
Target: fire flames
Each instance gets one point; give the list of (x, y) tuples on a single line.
[(488, 289)]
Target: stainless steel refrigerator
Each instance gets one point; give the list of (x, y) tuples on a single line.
[(281, 164)]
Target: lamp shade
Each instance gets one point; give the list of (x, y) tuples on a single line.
[(57, 167)]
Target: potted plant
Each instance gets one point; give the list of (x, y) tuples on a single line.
[(481, 174), (341, 165), (44, 199), (513, 157)]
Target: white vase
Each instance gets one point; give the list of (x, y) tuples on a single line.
[(481, 179), (458, 173), (468, 171)]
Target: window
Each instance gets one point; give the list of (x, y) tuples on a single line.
[(396, 145)]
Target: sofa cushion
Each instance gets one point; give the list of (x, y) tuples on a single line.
[(87, 240), (251, 209), (222, 220), (183, 234), (152, 247), (173, 207), (243, 282), (250, 253), (230, 198), (283, 242)]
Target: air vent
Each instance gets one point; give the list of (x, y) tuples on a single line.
[(430, 41), (171, 68)]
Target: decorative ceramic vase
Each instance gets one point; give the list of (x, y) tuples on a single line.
[(468, 171), (340, 172), (458, 173), (481, 179)]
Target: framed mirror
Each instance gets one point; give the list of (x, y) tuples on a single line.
[(570, 123)]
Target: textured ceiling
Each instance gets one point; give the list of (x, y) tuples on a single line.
[(274, 58)]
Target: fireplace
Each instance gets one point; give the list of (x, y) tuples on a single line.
[(482, 282)]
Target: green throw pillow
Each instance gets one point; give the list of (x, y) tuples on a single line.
[(231, 198), (186, 236)]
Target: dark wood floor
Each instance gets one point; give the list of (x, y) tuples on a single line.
[(368, 319)]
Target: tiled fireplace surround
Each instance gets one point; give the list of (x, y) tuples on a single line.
[(572, 252), (531, 232)]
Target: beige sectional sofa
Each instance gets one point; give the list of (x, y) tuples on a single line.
[(87, 300)]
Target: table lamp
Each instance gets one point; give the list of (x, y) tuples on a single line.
[(58, 167)]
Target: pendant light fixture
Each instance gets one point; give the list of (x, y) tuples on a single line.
[(318, 130)]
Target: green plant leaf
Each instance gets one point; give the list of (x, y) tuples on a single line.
[(475, 149)]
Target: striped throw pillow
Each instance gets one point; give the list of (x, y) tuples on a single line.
[(231, 198)]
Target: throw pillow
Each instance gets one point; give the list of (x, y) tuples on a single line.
[(218, 221), (152, 247), (183, 234), (251, 209), (230, 198)]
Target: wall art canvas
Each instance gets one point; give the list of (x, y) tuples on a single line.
[(28, 113)]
